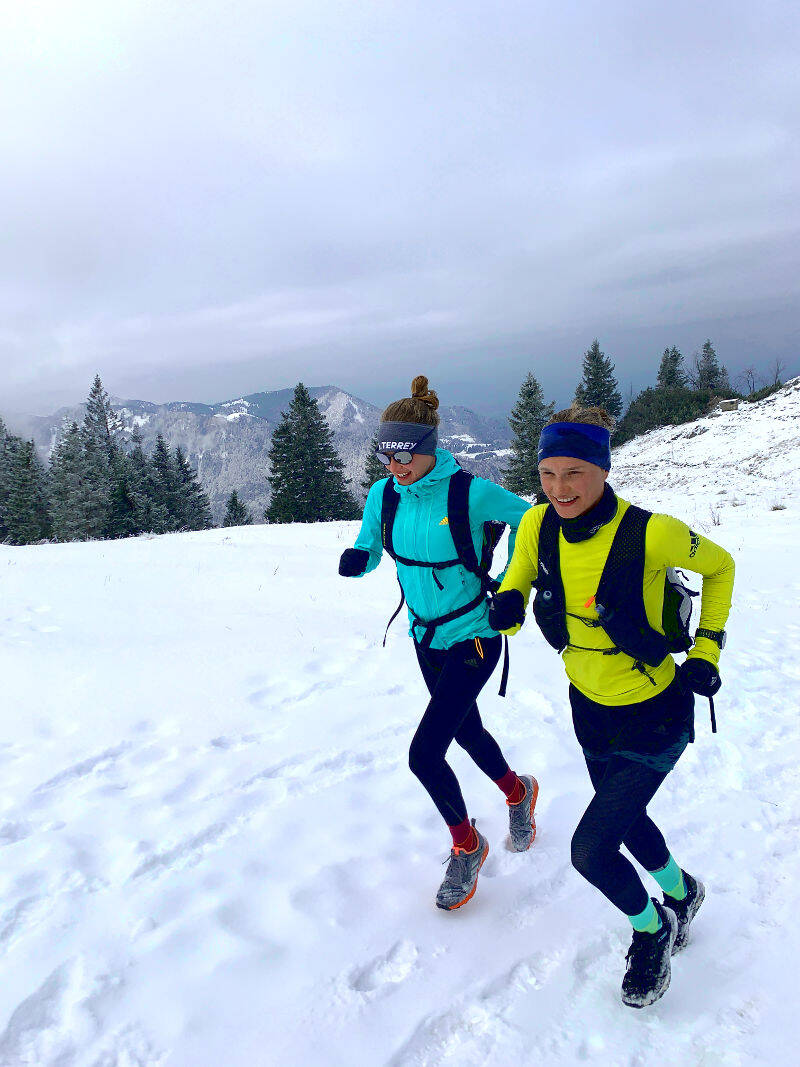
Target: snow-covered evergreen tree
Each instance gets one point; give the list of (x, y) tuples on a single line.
[(307, 479), (78, 492), (26, 513), (598, 386), (527, 419), (101, 424), (24, 492), (236, 513)]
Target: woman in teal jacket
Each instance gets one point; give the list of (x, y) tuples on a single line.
[(448, 610)]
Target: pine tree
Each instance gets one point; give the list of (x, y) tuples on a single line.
[(165, 484), (527, 419), (194, 509), (101, 424), (307, 479), (106, 462), (598, 387), (4, 459), (79, 506), (149, 515), (709, 375), (374, 470), (26, 515), (236, 513), (671, 374), (122, 520)]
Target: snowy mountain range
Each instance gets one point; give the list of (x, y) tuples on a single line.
[(228, 442)]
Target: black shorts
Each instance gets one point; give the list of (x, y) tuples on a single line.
[(654, 732)]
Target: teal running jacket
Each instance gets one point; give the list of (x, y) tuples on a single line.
[(421, 532)]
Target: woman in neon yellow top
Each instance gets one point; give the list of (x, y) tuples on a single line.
[(633, 711)]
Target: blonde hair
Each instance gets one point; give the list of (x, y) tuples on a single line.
[(590, 416), (419, 407)]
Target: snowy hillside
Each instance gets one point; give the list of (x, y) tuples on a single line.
[(746, 457), (214, 852)]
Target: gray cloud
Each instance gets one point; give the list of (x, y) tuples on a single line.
[(203, 200)]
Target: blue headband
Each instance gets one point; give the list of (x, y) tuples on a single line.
[(579, 440)]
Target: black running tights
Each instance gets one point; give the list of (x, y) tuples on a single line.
[(617, 816), (454, 677)]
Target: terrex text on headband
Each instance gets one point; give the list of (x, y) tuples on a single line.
[(402, 451)]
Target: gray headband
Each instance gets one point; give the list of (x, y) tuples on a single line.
[(407, 437)]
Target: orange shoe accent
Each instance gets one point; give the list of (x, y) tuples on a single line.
[(469, 897), (534, 798)]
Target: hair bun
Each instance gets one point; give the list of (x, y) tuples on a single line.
[(420, 391)]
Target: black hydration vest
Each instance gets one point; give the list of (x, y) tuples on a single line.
[(619, 599), (466, 556)]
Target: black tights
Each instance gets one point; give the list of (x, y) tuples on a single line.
[(454, 677), (617, 816)]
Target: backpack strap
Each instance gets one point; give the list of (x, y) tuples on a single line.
[(549, 605), (458, 520), (461, 532), (629, 628), (389, 504)]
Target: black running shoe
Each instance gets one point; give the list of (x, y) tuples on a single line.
[(686, 909), (648, 973)]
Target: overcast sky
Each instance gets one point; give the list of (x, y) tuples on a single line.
[(204, 199)]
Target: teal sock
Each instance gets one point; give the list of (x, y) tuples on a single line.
[(647, 921), (670, 878)]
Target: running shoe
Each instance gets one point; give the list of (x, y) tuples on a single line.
[(648, 972), (686, 909), (461, 877), (521, 823)]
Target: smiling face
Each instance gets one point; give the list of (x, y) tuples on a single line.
[(572, 486), (407, 473)]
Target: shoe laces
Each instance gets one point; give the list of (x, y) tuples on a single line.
[(644, 946)]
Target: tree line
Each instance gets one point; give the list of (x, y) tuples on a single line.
[(97, 486), (681, 393)]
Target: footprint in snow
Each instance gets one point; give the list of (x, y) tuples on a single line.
[(385, 970)]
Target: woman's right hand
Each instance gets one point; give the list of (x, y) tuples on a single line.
[(507, 611), (353, 562)]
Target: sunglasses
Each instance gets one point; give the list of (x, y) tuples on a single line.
[(404, 457)]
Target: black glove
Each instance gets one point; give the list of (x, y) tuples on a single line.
[(700, 676), (507, 610), (353, 562)]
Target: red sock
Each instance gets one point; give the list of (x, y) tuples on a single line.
[(464, 835), (512, 787)]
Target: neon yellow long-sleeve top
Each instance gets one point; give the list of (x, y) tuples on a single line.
[(612, 679)]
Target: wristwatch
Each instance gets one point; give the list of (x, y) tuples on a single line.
[(715, 635)]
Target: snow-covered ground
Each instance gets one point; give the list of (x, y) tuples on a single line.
[(214, 852)]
